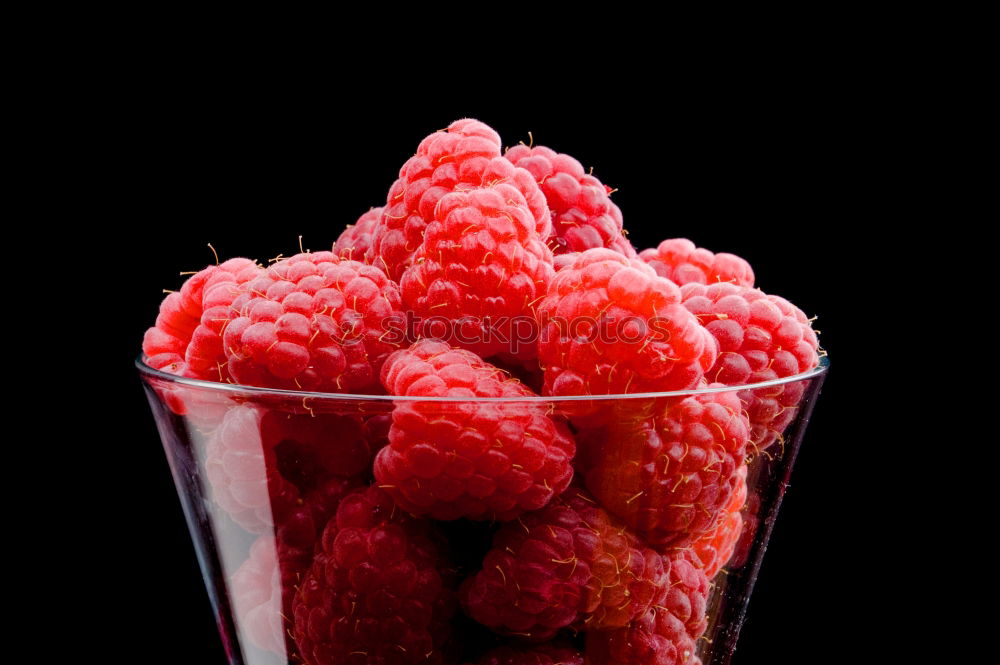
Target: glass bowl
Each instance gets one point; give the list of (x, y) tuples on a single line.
[(261, 474)]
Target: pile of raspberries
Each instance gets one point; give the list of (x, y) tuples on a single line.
[(508, 531)]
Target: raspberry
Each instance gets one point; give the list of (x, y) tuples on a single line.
[(667, 633), (376, 431), (205, 355), (260, 463), (481, 461), (356, 239), (378, 591), (172, 363), (568, 565), (185, 339), (612, 326), (480, 272), (583, 216), (465, 156), (542, 654), (263, 587), (670, 476), (242, 472), (314, 322), (760, 338), (715, 548), (681, 262), (167, 340), (256, 592)]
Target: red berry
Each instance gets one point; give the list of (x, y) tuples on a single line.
[(479, 273), (379, 589), (670, 476), (667, 634), (205, 356), (186, 338), (760, 338), (541, 654), (355, 241), (612, 326), (164, 344), (483, 461), (173, 395), (315, 322), (261, 463), (568, 565), (583, 216), (186, 341), (715, 548), (263, 587), (681, 262), (256, 591), (465, 156)]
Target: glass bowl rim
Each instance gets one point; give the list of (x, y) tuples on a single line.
[(235, 388)]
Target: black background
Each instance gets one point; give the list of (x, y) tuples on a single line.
[(778, 178)]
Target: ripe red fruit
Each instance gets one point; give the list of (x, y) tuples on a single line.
[(667, 634), (186, 338), (355, 241), (256, 591), (483, 461), (464, 156), (379, 589), (583, 216), (568, 565), (263, 587), (669, 477), (314, 322), (760, 338), (714, 549), (261, 463), (612, 326), (680, 261), (479, 273)]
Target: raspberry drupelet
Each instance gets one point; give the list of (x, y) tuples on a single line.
[(560, 261), (760, 338), (610, 325), (667, 633), (481, 461), (355, 241), (315, 322), (380, 589), (479, 273), (670, 476), (569, 565), (583, 216), (464, 156), (680, 261)]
